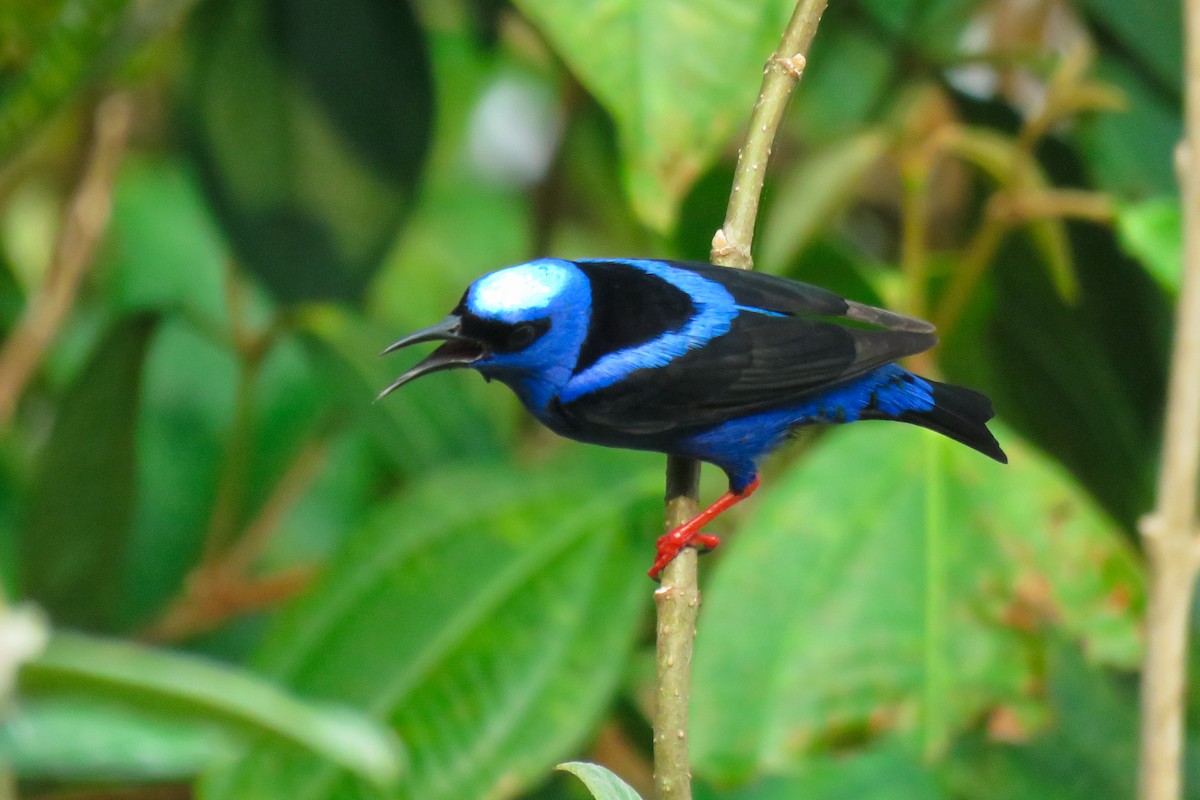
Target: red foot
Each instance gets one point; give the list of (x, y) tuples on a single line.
[(688, 533)]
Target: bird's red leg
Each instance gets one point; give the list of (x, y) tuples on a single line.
[(688, 533)]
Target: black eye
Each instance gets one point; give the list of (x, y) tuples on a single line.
[(503, 337), (522, 336)]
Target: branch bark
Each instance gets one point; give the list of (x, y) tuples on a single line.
[(1170, 532), (678, 599), (86, 221)]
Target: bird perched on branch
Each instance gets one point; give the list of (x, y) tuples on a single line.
[(693, 360)]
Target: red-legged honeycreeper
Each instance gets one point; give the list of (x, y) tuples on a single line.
[(693, 360)]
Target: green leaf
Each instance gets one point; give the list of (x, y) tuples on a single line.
[(884, 772), (1130, 153), (309, 122), (463, 224), (1082, 381), (811, 194), (601, 782), (1089, 752), (486, 615), (80, 738), (891, 579), (187, 408), (187, 399), (207, 691), (64, 60), (678, 76), (847, 82), (163, 251), (1152, 232), (1150, 30), (82, 502)]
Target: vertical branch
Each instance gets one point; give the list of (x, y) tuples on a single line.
[(678, 599), (1172, 540), (678, 602)]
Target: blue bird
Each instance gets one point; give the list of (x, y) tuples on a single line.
[(693, 360)]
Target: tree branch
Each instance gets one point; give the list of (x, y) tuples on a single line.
[(86, 221), (1170, 532), (224, 586), (678, 599)]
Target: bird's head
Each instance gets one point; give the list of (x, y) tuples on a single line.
[(521, 324)]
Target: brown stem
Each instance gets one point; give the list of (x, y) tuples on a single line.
[(678, 599), (223, 587), (289, 490), (1031, 205), (1016, 199), (979, 254), (1170, 531), (212, 597), (731, 244), (251, 347), (86, 221)]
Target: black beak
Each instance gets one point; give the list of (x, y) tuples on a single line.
[(458, 351)]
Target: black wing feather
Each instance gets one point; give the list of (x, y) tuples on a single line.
[(763, 362), (795, 298)]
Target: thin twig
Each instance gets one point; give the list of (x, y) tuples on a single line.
[(1170, 532), (289, 490), (212, 598), (251, 346), (731, 244), (678, 599), (86, 221), (1018, 199), (224, 587)]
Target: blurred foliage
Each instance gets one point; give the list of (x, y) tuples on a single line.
[(305, 593)]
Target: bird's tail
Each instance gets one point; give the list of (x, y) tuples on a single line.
[(958, 412)]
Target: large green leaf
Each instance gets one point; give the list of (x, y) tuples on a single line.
[(1130, 153), (678, 76), (1089, 752), (1149, 33), (884, 772), (82, 507), (80, 738), (486, 615), (309, 121), (1084, 381), (188, 408), (209, 692), (163, 253), (890, 580), (463, 224)]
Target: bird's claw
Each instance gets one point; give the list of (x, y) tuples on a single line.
[(689, 533), (670, 544)]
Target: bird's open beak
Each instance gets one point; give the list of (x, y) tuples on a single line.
[(457, 351)]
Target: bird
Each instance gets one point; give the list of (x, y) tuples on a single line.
[(692, 360)]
